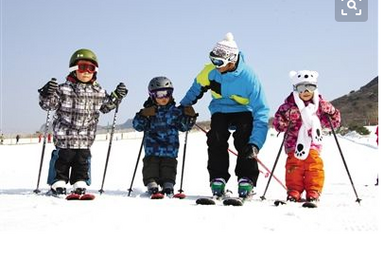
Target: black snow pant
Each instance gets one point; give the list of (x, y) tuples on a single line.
[(159, 170), (218, 156), (70, 165)]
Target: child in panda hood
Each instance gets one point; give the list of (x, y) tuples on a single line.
[(302, 115)]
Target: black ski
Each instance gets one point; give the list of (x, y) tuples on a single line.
[(279, 202), (304, 204), (208, 200), (234, 201), (310, 204), (237, 201)]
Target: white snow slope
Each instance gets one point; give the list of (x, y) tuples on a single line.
[(115, 226)]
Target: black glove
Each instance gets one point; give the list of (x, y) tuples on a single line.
[(251, 151), (49, 89), (148, 111), (120, 92)]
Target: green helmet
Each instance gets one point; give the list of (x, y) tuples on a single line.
[(83, 54)]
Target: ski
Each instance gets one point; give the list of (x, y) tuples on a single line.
[(179, 196), (157, 196), (237, 201), (208, 200), (234, 201), (86, 196), (279, 202), (304, 204), (160, 195), (309, 204)]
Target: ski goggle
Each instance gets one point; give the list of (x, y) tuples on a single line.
[(161, 93), (305, 87), (84, 67), (219, 61)]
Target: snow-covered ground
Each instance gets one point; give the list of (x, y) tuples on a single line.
[(115, 226)]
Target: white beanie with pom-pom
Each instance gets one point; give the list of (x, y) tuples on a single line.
[(227, 48)]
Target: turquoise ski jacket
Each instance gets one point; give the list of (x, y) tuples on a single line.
[(236, 91)]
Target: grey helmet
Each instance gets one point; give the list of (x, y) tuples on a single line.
[(160, 87)]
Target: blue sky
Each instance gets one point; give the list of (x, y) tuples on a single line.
[(136, 40)]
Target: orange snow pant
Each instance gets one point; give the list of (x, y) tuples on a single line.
[(304, 175)]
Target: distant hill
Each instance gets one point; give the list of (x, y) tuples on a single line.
[(126, 125), (359, 108)]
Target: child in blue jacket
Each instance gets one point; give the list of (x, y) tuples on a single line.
[(161, 122)]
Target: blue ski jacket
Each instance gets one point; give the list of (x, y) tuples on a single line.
[(161, 132), (236, 91)]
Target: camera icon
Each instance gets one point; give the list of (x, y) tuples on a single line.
[(351, 10)]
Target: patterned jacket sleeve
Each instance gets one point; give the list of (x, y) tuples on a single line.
[(109, 103), (280, 121), (49, 102), (288, 114), (140, 123), (327, 109)]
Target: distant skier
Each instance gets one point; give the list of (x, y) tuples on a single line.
[(17, 139), (238, 103), (78, 103), (161, 122), (305, 112)]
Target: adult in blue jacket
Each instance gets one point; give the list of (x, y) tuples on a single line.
[(239, 104)]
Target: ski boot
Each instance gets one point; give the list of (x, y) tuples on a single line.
[(168, 189), (313, 196), (245, 188), (152, 188), (294, 196), (218, 187), (58, 189)]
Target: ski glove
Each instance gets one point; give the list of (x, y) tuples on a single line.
[(189, 111), (251, 151), (49, 89), (120, 92), (148, 111)]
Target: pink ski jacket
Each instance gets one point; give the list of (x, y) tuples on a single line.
[(288, 113)]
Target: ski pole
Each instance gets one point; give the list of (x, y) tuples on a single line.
[(109, 148), (43, 150), (276, 160), (342, 157), (257, 159), (183, 163), (137, 163)]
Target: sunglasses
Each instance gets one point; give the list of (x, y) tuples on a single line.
[(161, 93), (84, 67), (305, 87)]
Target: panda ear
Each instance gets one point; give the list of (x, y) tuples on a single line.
[(315, 74), (292, 74)]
